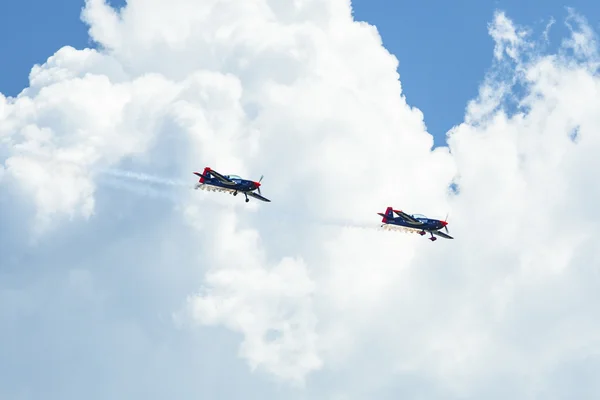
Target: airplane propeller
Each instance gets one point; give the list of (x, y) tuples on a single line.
[(259, 181), (445, 223)]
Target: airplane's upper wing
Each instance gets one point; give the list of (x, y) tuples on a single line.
[(258, 196), (222, 178), (408, 218), (442, 234)]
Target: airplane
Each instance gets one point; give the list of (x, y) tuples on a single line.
[(416, 222), (213, 181)]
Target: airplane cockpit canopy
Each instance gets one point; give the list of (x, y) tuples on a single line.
[(419, 216), (234, 177)]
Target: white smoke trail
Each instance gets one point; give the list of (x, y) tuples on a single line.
[(150, 185), (143, 177), (141, 190), (142, 184), (376, 225)]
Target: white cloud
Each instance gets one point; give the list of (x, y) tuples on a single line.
[(270, 305), (306, 96), (508, 38), (583, 40)]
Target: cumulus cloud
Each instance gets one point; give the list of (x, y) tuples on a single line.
[(310, 98)]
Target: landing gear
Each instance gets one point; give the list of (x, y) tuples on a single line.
[(422, 233), (234, 193), (247, 199), (432, 238)]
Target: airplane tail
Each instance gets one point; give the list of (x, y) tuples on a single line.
[(203, 175), (389, 214)]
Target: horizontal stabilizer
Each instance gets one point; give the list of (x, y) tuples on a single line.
[(202, 176)]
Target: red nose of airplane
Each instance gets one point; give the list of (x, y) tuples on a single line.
[(257, 184), (444, 223)]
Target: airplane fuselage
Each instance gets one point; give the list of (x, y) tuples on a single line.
[(428, 225), (239, 185), (211, 180), (418, 223)]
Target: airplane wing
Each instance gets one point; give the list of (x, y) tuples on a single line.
[(442, 234), (408, 218), (222, 178), (258, 196)]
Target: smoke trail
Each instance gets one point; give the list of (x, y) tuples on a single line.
[(353, 224), (143, 177), (142, 184), (149, 185), (347, 224), (141, 190), (376, 226)]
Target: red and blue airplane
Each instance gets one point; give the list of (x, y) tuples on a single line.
[(415, 222), (213, 181)]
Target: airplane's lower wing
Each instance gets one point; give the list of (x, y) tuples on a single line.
[(258, 196), (442, 234)]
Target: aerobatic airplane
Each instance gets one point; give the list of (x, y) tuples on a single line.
[(416, 222), (213, 181)]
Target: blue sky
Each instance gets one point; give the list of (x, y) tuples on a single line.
[(443, 47)]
